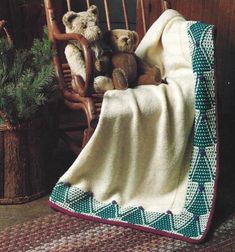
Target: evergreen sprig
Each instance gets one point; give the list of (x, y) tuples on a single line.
[(26, 79)]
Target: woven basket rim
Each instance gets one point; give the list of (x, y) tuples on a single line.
[(30, 124)]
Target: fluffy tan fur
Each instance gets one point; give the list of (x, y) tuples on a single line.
[(84, 23), (123, 68)]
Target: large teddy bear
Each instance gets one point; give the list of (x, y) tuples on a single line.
[(84, 23), (122, 66)]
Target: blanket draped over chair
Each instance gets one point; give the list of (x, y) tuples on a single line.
[(151, 163)]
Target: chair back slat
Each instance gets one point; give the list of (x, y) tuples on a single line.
[(69, 5), (88, 3), (107, 14), (165, 5), (125, 14), (143, 16)]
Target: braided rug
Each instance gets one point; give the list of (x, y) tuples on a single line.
[(60, 232)]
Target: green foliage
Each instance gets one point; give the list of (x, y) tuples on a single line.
[(26, 79)]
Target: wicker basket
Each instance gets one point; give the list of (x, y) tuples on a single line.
[(26, 152)]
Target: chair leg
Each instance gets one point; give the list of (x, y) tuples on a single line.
[(92, 120)]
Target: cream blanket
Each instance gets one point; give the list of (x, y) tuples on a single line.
[(140, 152)]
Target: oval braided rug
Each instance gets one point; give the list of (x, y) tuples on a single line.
[(59, 232)]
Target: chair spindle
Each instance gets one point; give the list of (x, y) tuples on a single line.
[(166, 5), (143, 16), (124, 7), (106, 7), (88, 3), (69, 5)]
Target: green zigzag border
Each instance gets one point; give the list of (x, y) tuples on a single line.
[(192, 221)]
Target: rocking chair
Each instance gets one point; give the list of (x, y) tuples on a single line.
[(87, 100)]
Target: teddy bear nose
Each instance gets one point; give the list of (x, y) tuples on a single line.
[(125, 39)]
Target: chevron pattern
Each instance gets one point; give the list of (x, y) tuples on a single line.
[(193, 219)]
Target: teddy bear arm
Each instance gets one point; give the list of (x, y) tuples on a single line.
[(147, 74), (103, 64), (142, 67), (75, 60)]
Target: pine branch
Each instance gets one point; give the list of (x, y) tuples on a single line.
[(26, 79)]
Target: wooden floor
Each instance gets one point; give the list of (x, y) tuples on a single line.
[(13, 214), (10, 215)]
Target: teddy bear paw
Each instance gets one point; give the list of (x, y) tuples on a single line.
[(102, 84)]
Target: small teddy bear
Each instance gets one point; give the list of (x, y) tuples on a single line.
[(122, 67), (84, 23)]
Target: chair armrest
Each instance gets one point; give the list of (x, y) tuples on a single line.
[(55, 34)]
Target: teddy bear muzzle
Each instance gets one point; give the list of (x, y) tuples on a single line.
[(92, 34)]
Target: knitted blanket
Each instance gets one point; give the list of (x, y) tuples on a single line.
[(151, 163)]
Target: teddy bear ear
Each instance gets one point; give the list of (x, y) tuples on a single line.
[(93, 9), (136, 37), (68, 18)]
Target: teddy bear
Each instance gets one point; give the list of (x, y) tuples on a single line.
[(122, 67), (84, 23)]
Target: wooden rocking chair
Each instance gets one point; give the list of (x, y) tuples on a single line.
[(86, 99)]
